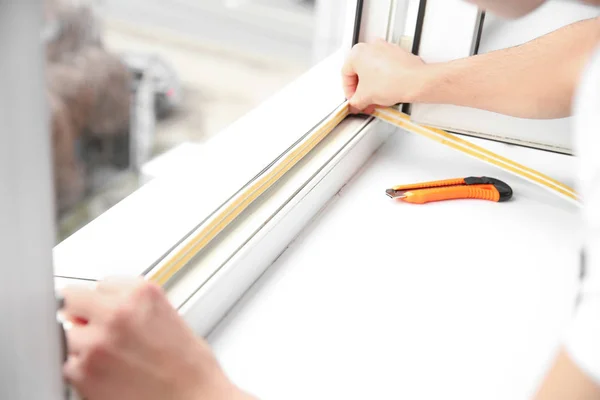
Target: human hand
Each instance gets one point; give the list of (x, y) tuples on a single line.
[(383, 74), (128, 342)]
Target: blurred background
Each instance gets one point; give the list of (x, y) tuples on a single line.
[(128, 80)]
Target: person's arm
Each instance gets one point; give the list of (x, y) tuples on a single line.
[(128, 342), (567, 381), (534, 80), (576, 372)]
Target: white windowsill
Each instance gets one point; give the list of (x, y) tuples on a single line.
[(248, 247), (262, 211), (377, 299)]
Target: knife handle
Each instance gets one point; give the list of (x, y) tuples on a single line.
[(479, 192)]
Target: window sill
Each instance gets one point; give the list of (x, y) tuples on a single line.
[(404, 285), (220, 274)]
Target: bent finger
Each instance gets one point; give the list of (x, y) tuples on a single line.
[(73, 371), (360, 100), (79, 338), (350, 74), (349, 79), (119, 285), (370, 109), (82, 304)]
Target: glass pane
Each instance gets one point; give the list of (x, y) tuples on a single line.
[(499, 33), (129, 80), (405, 24)]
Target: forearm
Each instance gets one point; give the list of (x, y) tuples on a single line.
[(576, 372), (534, 80), (567, 381)]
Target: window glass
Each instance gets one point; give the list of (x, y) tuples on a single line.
[(498, 33), (405, 24), (128, 80)]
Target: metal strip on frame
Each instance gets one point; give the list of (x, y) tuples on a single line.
[(357, 21), (478, 33), (419, 30)]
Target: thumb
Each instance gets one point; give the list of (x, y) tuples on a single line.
[(360, 100)]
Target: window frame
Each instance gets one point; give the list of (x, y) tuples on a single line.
[(234, 272), (462, 34), (80, 257), (26, 211), (165, 210)]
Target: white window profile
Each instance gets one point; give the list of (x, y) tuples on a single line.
[(134, 235), (160, 215), (450, 31), (157, 216), (31, 357)]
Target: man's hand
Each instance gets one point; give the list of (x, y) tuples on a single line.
[(534, 80), (566, 380), (128, 342), (382, 74)]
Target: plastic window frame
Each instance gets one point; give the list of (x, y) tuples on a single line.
[(27, 212), (204, 294), (131, 249)]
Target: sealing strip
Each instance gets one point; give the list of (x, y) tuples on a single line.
[(233, 208)]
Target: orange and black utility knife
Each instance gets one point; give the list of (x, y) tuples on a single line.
[(482, 188)]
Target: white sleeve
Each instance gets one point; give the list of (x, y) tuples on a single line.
[(583, 336)]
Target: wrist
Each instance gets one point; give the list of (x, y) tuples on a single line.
[(432, 84), (219, 388), (232, 392), (241, 395)]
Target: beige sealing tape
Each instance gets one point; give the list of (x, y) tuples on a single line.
[(214, 225)]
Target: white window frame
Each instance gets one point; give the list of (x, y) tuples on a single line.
[(135, 233), (451, 31), (220, 274), (30, 358)]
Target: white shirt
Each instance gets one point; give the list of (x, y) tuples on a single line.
[(583, 337)]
